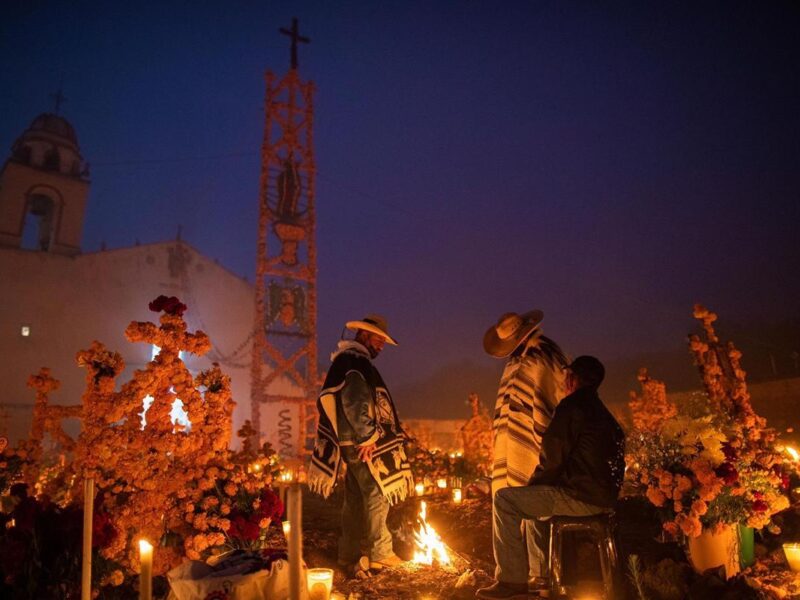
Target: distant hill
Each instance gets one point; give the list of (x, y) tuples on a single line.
[(770, 352)]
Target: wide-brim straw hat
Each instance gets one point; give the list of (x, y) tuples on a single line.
[(374, 324), (510, 331)]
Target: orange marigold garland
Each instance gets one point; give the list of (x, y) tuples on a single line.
[(650, 408), (147, 468)]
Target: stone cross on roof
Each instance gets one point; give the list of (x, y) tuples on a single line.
[(59, 98)]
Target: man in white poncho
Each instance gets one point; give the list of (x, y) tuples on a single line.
[(532, 384)]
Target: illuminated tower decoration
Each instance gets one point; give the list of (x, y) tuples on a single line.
[(284, 366)]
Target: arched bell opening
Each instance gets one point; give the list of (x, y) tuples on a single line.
[(39, 225)]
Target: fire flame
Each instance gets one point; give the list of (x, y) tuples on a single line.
[(429, 546)]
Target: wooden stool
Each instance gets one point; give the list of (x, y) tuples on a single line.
[(601, 529)]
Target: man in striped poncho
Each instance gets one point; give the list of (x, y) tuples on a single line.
[(530, 388)]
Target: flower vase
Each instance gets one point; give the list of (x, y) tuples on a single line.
[(713, 548), (747, 555)]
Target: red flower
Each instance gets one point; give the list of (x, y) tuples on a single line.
[(729, 452), (171, 305), (242, 528), (271, 506), (728, 473), (760, 506), (103, 530), (785, 482)]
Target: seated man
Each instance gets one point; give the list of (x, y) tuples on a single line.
[(579, 474)]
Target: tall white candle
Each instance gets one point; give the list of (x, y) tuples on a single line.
[(146, 573), (88, 516), (295, 514)]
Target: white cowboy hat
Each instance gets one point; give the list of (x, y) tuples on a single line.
[(511, 330), (374, 324)]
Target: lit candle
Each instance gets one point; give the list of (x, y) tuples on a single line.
[(419, 489), (320, 582), (792, 552), (287, 527), (295, 514), (457, 495), (88, 516), (441, 483), (146, 572)]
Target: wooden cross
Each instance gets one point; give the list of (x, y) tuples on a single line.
[(296, 37), (59, 98)]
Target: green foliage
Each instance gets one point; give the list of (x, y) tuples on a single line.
[(635, 576)]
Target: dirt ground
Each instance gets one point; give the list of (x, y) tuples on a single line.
[(465, 528)]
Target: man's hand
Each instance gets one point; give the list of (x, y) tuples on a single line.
[(365, 452)]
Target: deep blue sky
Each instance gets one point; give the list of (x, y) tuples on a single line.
[(610, 165)]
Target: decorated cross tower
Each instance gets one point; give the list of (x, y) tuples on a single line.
[(284, 365)]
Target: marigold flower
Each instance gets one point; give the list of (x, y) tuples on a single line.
[(656, 496), (671, 528), (699, 508), (690, 526)]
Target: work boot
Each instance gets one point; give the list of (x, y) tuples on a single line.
[(504, 591), (386, 563)]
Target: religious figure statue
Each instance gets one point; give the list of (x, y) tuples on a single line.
[(289, 187)]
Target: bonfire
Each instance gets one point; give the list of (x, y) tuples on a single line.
[(429, 545)]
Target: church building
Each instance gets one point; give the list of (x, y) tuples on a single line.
[(56, 299)]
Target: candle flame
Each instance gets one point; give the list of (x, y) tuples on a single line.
[(793, 453), (429, 546), (145, 547)]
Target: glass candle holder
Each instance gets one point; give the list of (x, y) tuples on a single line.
[(419, 489), (792, 552), (320, 584), (287, 527), (441, 483), (457, 496)]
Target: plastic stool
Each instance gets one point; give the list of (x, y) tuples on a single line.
[(601, 529)]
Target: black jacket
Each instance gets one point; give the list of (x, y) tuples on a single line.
[(583, 450)]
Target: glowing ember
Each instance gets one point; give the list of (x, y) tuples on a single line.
[(429, 546)]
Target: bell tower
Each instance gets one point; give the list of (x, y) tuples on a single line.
[(284, 376), (43, 189)]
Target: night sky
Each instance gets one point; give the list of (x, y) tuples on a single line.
[(611, 165)]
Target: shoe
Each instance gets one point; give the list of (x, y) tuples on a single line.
[(386, 563), (504, 591)]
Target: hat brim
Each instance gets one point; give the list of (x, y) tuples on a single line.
[(372, 329), (500, 348)]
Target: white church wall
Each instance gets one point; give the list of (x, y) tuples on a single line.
[(67, 302)]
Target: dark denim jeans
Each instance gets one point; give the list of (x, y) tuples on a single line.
[(364, 513)]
